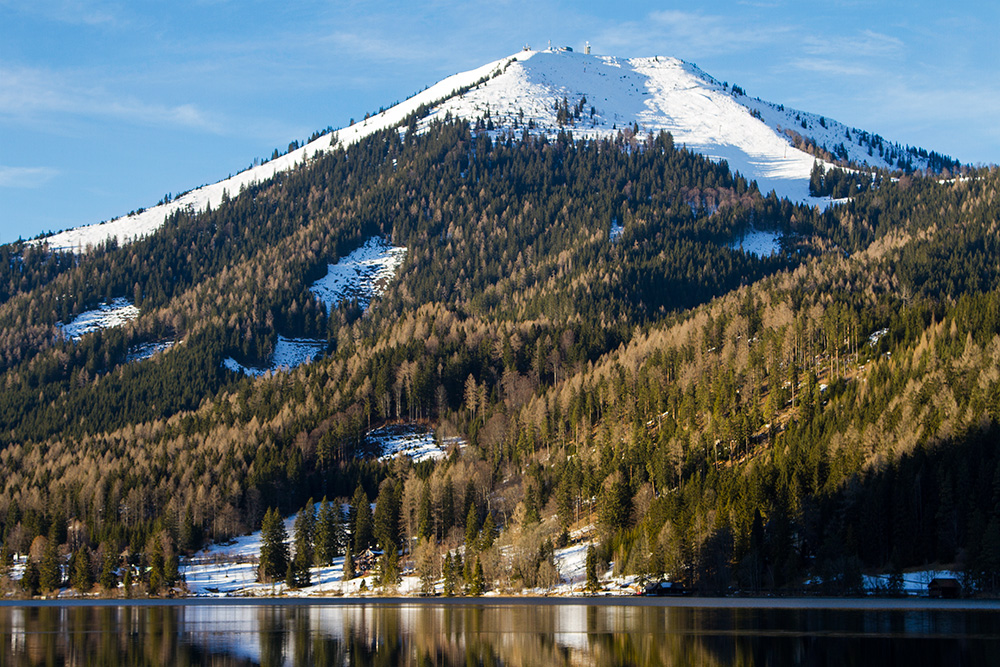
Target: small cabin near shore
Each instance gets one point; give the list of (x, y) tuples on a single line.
[(944, 587)]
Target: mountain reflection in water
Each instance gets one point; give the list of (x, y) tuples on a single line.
[(521, 634)]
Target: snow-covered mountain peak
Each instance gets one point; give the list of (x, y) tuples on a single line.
[(590, 96)]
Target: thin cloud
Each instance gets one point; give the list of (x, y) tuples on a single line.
[(26, 94), (74, 12), (25, 177), (692, 34)]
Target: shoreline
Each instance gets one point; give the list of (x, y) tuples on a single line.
[(762, 603)]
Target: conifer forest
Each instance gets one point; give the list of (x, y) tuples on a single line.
[(576, 319)]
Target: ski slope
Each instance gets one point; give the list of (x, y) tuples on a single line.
[(524, 89)]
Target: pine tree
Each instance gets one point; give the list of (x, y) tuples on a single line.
[(386, 519), (348, 564), (488, 534), (273, 549), (592, 583), (478, 585), (305, 524), (49, 572), (326, 534), (31, 579), (471, 527), (450, 578), (361, 527), (81, 577), (109, 577)]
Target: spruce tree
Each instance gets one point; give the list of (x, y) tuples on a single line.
[(326, 534), (361, 528), (450, 579), (304, 529), (471, 527), (488, 534), (273, 548), (31, 579), (348, 564), (50, 572), (592, 582), (81, 577), (109, 565)]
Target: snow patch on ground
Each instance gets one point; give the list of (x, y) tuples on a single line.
[(758, 243), (410, 440), (107, 315), (288, 353), (615, 231), (148, 350), (913, 583), (363, 275)]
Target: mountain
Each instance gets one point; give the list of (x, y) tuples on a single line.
[(602, 95), (601, 335)]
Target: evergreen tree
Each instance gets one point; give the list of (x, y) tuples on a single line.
[(157, 562), (50, 571), (31, 579), (388, 570), (361, 527), (592, 582), (471, 527), (348, 564), (305, 524), (81, 577), (109, 565), (326, 534), (478, 585), (450, 577), (488, 534), (273, 549), (386, 520)]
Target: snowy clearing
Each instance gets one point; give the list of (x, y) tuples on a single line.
[(107, 315), (288, 353), (362, 275), (407, 439), (758, 243), (148, 350)]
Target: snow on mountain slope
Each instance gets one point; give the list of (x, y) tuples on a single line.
[(525, 89), (362, 275), (131, 227), (118, 313), (659, 94)]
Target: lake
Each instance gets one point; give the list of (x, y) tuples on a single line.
[(509, 632)]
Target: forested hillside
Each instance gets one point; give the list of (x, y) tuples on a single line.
[(581, 315)]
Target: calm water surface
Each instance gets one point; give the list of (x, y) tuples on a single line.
[(497, 634)]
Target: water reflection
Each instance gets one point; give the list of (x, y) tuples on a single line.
[(491, 635)]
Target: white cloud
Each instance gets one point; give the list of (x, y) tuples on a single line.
[(25, 177), (28, 93)]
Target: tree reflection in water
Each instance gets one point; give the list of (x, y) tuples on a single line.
[(520, 634)]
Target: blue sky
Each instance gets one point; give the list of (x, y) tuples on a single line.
[(106, 105)]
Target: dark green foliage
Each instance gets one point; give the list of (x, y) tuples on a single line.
[(50, 569), (81, 577), (274, 560), (327, 542), (348, 563), (591, 564), (361, 521)]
